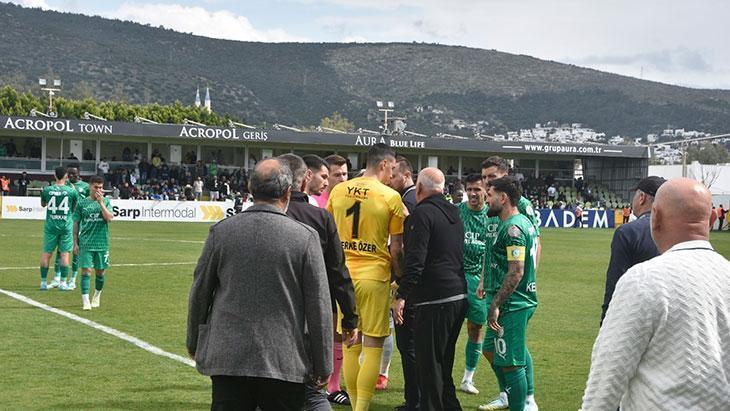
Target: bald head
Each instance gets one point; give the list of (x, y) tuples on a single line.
[(681, 212), (271, 182), (430, 181)]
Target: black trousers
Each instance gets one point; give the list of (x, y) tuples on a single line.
[(437, 328), (405, 341), (248, 393)]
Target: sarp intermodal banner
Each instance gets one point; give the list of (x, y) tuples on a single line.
[(29, 208)]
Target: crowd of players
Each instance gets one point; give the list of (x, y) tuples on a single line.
[(500, 253), (500, 249)]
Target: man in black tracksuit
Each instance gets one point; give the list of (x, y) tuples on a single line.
[(402, 182), (341, 288), (433, 283)]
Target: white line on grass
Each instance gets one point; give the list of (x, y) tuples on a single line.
[(103, 328), (111, 265), (167, 240)]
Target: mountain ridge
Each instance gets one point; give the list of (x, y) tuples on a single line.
[(300, 83)]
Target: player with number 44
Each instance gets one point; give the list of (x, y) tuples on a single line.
[(60, 201)]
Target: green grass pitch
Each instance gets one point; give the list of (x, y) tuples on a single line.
[(50, 362)]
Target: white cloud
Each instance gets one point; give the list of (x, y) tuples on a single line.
[(682, 44), (197, 20), (41, 4)]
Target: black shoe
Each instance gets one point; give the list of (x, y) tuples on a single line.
[(339, 397)]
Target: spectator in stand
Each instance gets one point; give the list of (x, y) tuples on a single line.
[(104, 168), (720, 217), (552, 192), (23, 183), (457, 194), (156, 159), (188, 193), (198, 188), (125, 192), (213, 187), (713, 217), (5, 185), (626, 213), (144, 168), (224, 189), (200, 169), (213, 169)]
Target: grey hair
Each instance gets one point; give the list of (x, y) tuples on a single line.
[(430, 182), (298, 168), (270, 184)]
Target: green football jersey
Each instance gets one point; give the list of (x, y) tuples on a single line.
[(60, 203), (475, 239), (81, 187), (515, 241), (93, 229), (525, 207)]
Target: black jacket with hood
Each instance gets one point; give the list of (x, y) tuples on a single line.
[(434, 252)]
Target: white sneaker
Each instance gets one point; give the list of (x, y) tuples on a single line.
[(63, 287), (468, 387), (96, 300), (44, 286), (531, 405), (499, 403), (85, 301), (54, 284), (71, 286)]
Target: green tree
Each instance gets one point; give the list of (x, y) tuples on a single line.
[(338, 122), (708, 153)]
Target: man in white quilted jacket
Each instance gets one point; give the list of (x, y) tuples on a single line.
[(665, 342)]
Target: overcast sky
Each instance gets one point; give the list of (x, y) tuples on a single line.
[(671, 41)]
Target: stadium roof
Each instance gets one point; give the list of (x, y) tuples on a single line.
[(34, 126)]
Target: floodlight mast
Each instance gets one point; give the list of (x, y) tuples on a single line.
[(332, 130), (36, 113), (233, 124), (51, 92), (382, 107), (89, 116), (195, 123), (138, 119), (280, 126)]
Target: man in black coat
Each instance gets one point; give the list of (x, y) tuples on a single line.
[(402, 182), (632, 243), (433, 283), (342, 290)]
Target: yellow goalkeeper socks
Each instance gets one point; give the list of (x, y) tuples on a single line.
[(369, 371), (351, 369)]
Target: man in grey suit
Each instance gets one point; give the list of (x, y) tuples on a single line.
[(260, 318)]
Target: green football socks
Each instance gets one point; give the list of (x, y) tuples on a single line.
[(529, 374), (85, 283), (44, 273), (99, 282), (500, 377), (516, 388), (64, 273), (74, 267), (473, 352), (57, 265)]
